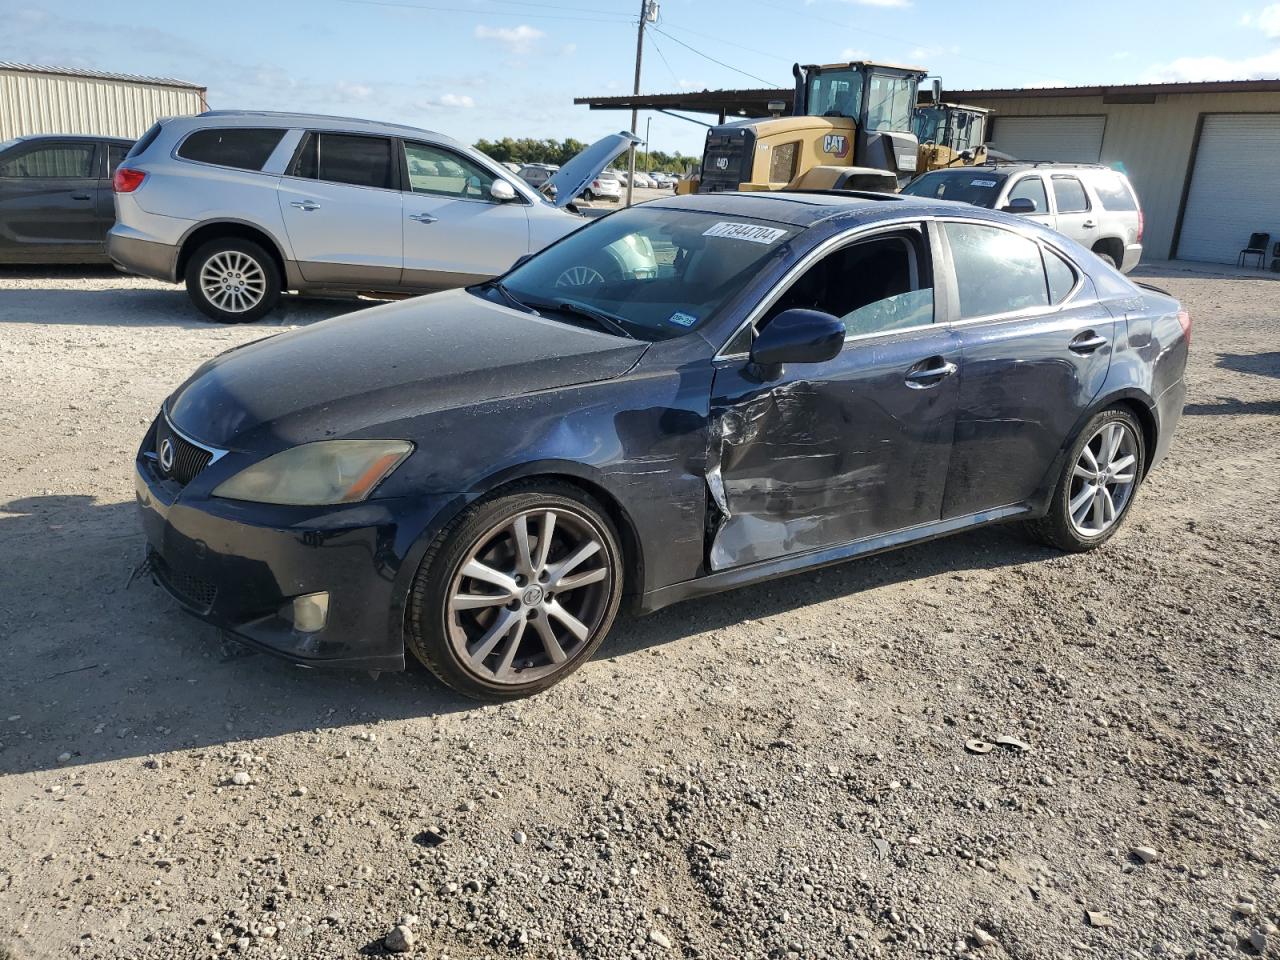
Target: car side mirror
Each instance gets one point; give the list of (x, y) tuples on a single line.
[(502, 191), (798, 336), (1020, 205)]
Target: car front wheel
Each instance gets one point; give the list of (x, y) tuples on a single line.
[(1097, 485), (517, 593), (233, 280)]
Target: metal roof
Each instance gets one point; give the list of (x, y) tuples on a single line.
[(1124, 89), (742, 103), (98, 75)]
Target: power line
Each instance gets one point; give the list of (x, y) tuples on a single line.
[(707, 36), (663, 57), (485, 13), (706, 56)]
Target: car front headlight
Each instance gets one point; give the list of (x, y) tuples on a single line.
[(315, 474)]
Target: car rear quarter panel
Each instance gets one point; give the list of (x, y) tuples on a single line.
[(1152, 364)]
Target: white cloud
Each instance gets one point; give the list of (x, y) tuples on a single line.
[(852, 54), (354, 91), (518, 40), (452, 101), (568, 50), (880, 3), (1264, 66), (692, 84), (1269, 21)]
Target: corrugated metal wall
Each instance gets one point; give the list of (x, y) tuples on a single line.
[(51, 103), (1153, 140)]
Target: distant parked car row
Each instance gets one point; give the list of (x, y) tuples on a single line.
[(242, 205)]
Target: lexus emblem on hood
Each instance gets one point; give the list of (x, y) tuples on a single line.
[(166, 454)]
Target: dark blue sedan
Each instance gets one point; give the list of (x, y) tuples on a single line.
[(692, 395)]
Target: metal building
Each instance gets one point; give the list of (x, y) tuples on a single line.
[(39, 99), (1204, 157)]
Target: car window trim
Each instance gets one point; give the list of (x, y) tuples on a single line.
[(174, 155), (307, 132), (941, 253), (443, 148)]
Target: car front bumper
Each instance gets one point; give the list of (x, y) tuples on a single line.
[(239, 566)]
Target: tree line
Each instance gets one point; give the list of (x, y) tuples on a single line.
[(529, 150)]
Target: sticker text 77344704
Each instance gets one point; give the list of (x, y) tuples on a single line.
[(744, 231)]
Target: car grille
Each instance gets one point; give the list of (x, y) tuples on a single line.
[(183, 460), (194, 592)]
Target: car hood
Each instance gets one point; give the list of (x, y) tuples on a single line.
[(351, 375), (571, 179)]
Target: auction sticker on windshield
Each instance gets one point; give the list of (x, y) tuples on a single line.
[(744, 231), (982, 183)]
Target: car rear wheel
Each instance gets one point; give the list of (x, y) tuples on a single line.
[(1098, 483), (517, 593), (233, 280), (1106, 258)]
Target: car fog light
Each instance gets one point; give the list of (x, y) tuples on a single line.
[(310, 612)]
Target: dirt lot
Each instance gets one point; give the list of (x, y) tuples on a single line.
[(775, 772)]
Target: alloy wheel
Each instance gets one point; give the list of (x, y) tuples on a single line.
[(579, 277), (1103, 479), (233, 281), (529, 595)]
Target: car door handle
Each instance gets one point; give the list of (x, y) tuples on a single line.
[(305, 205), (929, 373), (82, 196), (1087, 343), (1088, 224), (423, 217)]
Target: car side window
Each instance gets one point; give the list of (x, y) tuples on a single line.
[(345, 158), (443, 173), (1070, 196), (873, 285), (115, 156), (997, 271), (1114, 192), (1062, 278), (242, 148), (1031, 188), (66, 161)]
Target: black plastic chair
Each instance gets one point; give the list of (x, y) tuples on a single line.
[(1275, 258), (1257, 248)]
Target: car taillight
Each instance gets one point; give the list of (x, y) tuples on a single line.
[(596, 184), (126, 180), (1142, 222), (1184, 318)]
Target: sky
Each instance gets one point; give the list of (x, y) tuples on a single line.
[(495, 68)]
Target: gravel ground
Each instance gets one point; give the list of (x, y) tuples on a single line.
[(776, 772)]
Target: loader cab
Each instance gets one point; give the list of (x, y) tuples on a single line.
[(950, 135)]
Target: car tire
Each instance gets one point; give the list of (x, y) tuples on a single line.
[(1081, 517), (1106, 258), (510, 632), (233, 280)]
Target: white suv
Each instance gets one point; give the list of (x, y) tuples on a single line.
[(1094, 205), (243, 205)]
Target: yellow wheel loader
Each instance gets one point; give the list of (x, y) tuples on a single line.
[(851, 129), (950, 135)]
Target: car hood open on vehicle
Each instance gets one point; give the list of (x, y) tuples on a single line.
[(573, 177), (351, 375)]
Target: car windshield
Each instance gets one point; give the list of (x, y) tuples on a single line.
[(649, 272), (969, 185)]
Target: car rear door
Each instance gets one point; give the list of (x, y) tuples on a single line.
[(1073, 209), (455, 232), (48, 191), (111, 155), (1036, 345), (822, 454), (342, 209)]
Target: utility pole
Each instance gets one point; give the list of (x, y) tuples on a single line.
[(635, 114), (648, 151)]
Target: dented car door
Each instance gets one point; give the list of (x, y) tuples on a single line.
[(856, 447)]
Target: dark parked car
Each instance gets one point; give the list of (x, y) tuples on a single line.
[(482, 476), (56, 202)]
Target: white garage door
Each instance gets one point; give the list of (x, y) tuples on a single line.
[(1234, 189), (1067, 139)]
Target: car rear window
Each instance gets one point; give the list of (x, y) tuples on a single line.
[(242, 148), (978, 187), (146, 140), (1114, 192), (997, 271)]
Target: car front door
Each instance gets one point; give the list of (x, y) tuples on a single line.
[(1031, 187), (455, 231), (48, 192), (816, 455), (1074, 211), (342, 209), (1037, 346)]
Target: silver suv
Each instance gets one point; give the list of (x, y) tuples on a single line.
[(1094, 205), (243, 205)]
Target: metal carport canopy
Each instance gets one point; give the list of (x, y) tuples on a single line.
[(719, 103)]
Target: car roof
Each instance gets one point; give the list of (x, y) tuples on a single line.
[(805, 209), (34, 137), (271, 118), (1019, 166)]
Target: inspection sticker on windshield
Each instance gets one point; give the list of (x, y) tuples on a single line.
[(982, 183), (745, 231), (682, 319)]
